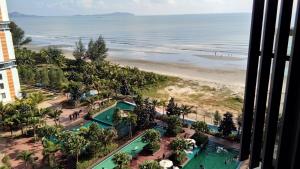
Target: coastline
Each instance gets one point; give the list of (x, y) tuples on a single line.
[(233, 79)]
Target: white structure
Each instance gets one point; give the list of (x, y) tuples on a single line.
[(9, 79)]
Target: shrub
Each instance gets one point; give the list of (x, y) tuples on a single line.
[(151, 148), (201, 139), (200, 126), (150, 165), (174, 125)]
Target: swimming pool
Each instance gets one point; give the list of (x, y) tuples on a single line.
[(105, 118), (211, 159)]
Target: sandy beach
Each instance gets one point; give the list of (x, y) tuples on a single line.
[(206, 89), (231, 78)]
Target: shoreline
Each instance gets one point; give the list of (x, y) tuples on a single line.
[(233, 79)]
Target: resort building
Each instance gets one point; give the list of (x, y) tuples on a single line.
[(9, 79)]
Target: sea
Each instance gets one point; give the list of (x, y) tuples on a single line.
[(202, 40)]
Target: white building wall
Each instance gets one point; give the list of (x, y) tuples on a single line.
[(10, 46), (4, 10), (16, 82)]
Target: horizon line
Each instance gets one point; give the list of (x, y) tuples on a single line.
[(129, 13)]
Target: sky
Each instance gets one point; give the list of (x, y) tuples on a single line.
[(138, 7)]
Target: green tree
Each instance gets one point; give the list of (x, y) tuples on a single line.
[(55, 115), (172, 108), (50, 148), (27, 157), (97, 50), (200, 126), (121, 160), (79, 51), (152, 138), (227, 125), (18, 35), (174, 125), (179, 146), (72, 144), (185, 110), (42, 77), (76, 91), (54, 56), (150, 165), (217, 118), (131, 120)]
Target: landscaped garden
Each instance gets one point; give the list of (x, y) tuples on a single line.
[(112, 125)]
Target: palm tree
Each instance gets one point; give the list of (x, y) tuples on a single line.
[(34, 122), (185, 110), (55, 115), (27, 157), (121, 160), (131, 120), (50, 148)]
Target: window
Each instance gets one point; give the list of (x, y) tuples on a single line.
[(1, 86), (3, 95), (1, 77)]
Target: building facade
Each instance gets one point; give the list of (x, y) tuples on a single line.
[(9, 79)]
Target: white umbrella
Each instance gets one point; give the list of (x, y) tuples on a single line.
[(166, 163)]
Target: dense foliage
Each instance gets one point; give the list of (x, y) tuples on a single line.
[(121, 160), (200, 126), (227, 125), (179, 146), (150, 165), (174, 125), (18, 35), (145, 111), (152, 138), (200, 138)]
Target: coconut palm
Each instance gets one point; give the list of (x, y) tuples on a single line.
[(27, 157), (34, 122), (131, 120), (50, 148), (185, 110), (121, 160)]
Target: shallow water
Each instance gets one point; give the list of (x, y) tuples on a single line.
[(187, 39)]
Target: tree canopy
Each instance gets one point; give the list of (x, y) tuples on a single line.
[(18, 35)]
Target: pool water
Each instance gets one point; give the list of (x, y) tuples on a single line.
[(133, 149), (106, 117), (210, 159)]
